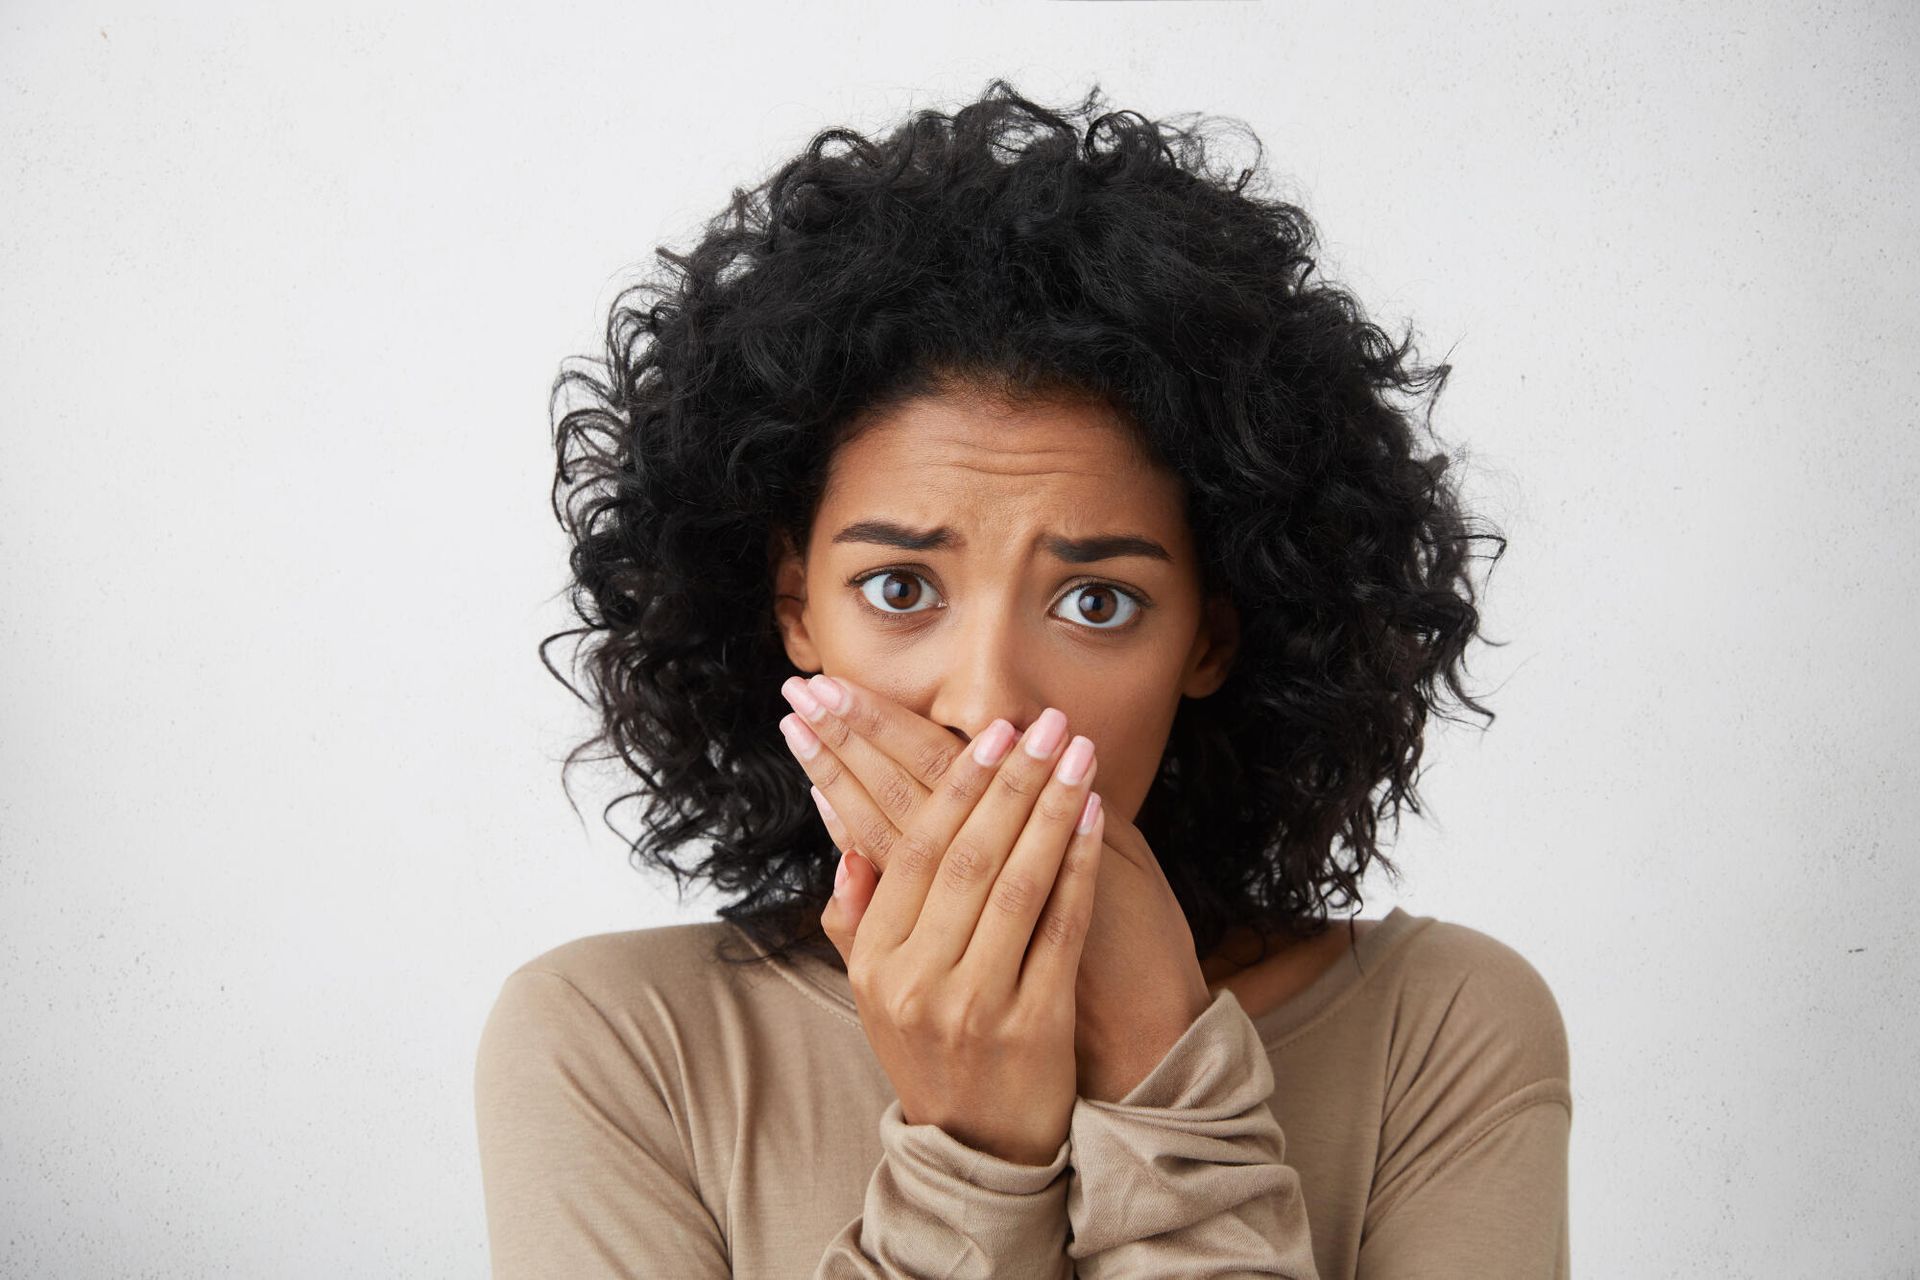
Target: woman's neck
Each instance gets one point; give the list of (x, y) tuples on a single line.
[(1291, 965)]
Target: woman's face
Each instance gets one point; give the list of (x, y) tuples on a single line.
[(973, 560)]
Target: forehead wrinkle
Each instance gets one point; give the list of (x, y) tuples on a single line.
[(921, 457), (936, 453), (959, 504), (957, 450), (971, 504), (979, 468)]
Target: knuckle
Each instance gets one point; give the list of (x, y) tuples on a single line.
[(1057, 806), (1014, 892), (1047, 1014), (878, 842), (963, 787), (977, 1020), (1059, 929), (833, 731), (935, 760), (827, 771), (864, 719), (965, 862), (1024, 1020), (908, 1006), (1018, 782), (915, 853), (897, 793)]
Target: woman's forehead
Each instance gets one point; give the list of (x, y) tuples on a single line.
[(1001, 476), (993, 437)]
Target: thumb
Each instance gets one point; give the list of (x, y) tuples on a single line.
[(853, 886)]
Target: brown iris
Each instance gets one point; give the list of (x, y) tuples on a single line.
[(1097, 592), (902, 589)]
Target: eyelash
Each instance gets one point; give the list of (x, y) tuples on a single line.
[(1141, 603)]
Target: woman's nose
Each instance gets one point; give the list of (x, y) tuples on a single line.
[(984, 680), (970, 723)]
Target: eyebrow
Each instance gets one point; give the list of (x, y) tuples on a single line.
[(1110, 546)]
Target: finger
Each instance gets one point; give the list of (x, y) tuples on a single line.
[(971, 868), (1052, 963), (855, 879), (853, 885), (910, 740), (918, 852), (833, 920), (895, 754), (862, 823), (836, 829), (1005, 925), (856, 891), (867, 823)]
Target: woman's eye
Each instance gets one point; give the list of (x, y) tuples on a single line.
[(1096, 605), (1103, 607), (897, 587)]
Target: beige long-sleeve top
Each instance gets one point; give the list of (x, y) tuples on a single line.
[(646, 1110)]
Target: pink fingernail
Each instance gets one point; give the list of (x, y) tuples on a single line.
[(1073, 765), (829, 691), (799, 737), (840, 876), (1090, 812), (993, 743), (1044, 734), (803, 701)]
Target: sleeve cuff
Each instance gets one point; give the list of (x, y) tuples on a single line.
[(1192, 1148), (942, 1163), (1217, 1063), (936, 1206)]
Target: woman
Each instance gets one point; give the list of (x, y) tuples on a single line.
[(1068, 536)]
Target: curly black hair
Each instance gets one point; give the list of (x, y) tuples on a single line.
[(1002, 247)]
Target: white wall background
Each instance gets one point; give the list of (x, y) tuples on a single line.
[(280, 303)]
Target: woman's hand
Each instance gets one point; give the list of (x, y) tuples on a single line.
[(963, 959), (1139, 985)]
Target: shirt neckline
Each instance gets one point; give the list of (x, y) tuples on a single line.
[(1354, 966)]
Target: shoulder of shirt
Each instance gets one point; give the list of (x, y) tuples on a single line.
[(669, 965), (1476, 1033), (644, 983), (1454, 984), (1476, 1040), (607, 1012), (673, 951), (645, 1023)]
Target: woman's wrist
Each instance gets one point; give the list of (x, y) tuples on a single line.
[(1110, 1061)]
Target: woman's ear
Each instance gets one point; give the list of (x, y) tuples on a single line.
[(789, 574), (1214, 648)]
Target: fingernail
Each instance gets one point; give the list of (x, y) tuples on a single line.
[(1044, 734), (803, 702), (993, 743), (830, 691), (1073, 765), (799, 737), (840, 876), (826, 810), (1089, 812)]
